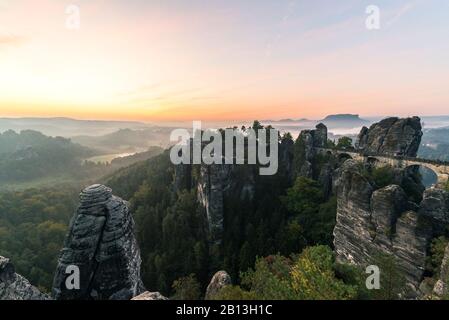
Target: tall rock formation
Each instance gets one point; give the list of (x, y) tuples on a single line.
[(219, 184), (371, 222), (216, 184), (102, 245), (391, 136), (441, 288), (305, 150), (15, 287), (435, 205), (211, 187)]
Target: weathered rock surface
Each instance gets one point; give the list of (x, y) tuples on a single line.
[(320, 136), (371, 222), (220, 280), (102, 245), (210, 195), (150, 296), (391, 136), (387, 205), (306, 145), (218, 182), (441, 288), (286, 156), (435, 205), (15, 287)]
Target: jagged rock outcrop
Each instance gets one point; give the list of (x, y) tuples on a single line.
[(286, 156), (306, 145), (15, 287), (220, 280), (326, 177), (218, 182), (150, 296), (211, 195), (320, 136), (435, 204), (391, 136), (102, 245), (387, 205), (441, 287), (372, 222)]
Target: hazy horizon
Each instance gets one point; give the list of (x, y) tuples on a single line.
[(236, 120)]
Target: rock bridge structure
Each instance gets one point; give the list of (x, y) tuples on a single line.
[(440, 168), (375, 221)]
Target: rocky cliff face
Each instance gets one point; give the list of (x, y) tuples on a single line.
[(216, 184), (391, 136), (311, 164), (101, 244), (388, 221), (372, 222), (15, 287), (441, 288), (305, 150), (435, 205)]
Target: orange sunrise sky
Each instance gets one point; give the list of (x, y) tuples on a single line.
[(222, 60)]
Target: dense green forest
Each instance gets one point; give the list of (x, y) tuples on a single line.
[(281, 218), (33, 225), (276, 245)]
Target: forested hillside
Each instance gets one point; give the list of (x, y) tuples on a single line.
[(172, 227), (30, 159), (126, 140), (33, 225), (29, 155), (276, 241)]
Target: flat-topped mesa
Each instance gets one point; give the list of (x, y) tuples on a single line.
[(102, 245), (391, 136), (15, 287)]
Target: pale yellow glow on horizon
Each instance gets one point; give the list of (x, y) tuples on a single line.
[(171, 65)]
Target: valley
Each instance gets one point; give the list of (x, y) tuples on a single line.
[(308, 213)]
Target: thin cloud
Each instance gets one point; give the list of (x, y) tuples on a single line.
[(284, 20), (401, 12)]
